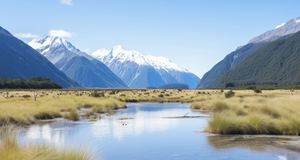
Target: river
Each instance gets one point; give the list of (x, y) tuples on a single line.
[(150, 135)]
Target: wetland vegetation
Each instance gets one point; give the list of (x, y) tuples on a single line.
[(243, 112), (271, 112), (11, 149)]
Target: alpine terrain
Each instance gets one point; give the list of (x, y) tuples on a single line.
[(139, 71), (283, 31), (87, 71), (276, 64), (18, 60)]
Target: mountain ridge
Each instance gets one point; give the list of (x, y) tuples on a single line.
[(210, 78), (22, 61), (83, 68), (276, 64), (129, 65)]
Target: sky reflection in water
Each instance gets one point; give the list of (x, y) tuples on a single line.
[(149, 136)]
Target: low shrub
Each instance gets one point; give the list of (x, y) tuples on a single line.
[(229, 94), (257, 90), (160, 95), (96, 94), (26, 96)]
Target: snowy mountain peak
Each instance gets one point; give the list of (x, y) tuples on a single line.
[(290, 27), (118, 47), (140, 71), (297, 20), (100, 52), (118, 53), (46, 43)]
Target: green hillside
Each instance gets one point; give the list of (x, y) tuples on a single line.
[(32, 83), (277, 64)]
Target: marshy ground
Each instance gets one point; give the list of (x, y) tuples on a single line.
[(274, 112), (271, 112), (27, 106)]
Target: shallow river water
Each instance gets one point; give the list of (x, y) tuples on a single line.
[(151, 136)]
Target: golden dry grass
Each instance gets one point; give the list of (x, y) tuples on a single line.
[(11, 149), (272, 112), (25, 110)]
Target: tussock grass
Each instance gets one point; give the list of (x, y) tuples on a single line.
[(25, 111), (11, 149), (55, 103), (276, 114), (72, 115), (217, 106)]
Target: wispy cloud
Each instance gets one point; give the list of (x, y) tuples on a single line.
[(26, 35), (60, 33), (67, 2)]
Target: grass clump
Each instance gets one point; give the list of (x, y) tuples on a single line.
[(220, 106), (47, 115), (264, 114), (270, 111), (72, 115), (229, 94), (26, 96), (11, 149), (96, 94)]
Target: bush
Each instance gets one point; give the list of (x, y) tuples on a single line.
[(257, 90), (229, 94), (26, 96), (112, 92), (96, 94)]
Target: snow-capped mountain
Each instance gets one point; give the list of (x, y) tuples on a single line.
[(283, 31), (139, 71), (18, 60), (83, 68), (290, 27)]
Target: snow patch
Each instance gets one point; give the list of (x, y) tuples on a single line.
[(280, 25)]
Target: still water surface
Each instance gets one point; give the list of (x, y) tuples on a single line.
[(150, 136)]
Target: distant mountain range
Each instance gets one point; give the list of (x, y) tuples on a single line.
[(139, 71), (277, 64), (87, 71), (18, 60), (283, 31)]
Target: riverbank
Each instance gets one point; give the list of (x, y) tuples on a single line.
[(270, 112), (27, 106), (10, 148), (19, 107)]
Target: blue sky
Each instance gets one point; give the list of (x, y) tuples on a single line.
[(195, 34)]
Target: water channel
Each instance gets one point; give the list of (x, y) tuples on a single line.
[(150, 135)]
